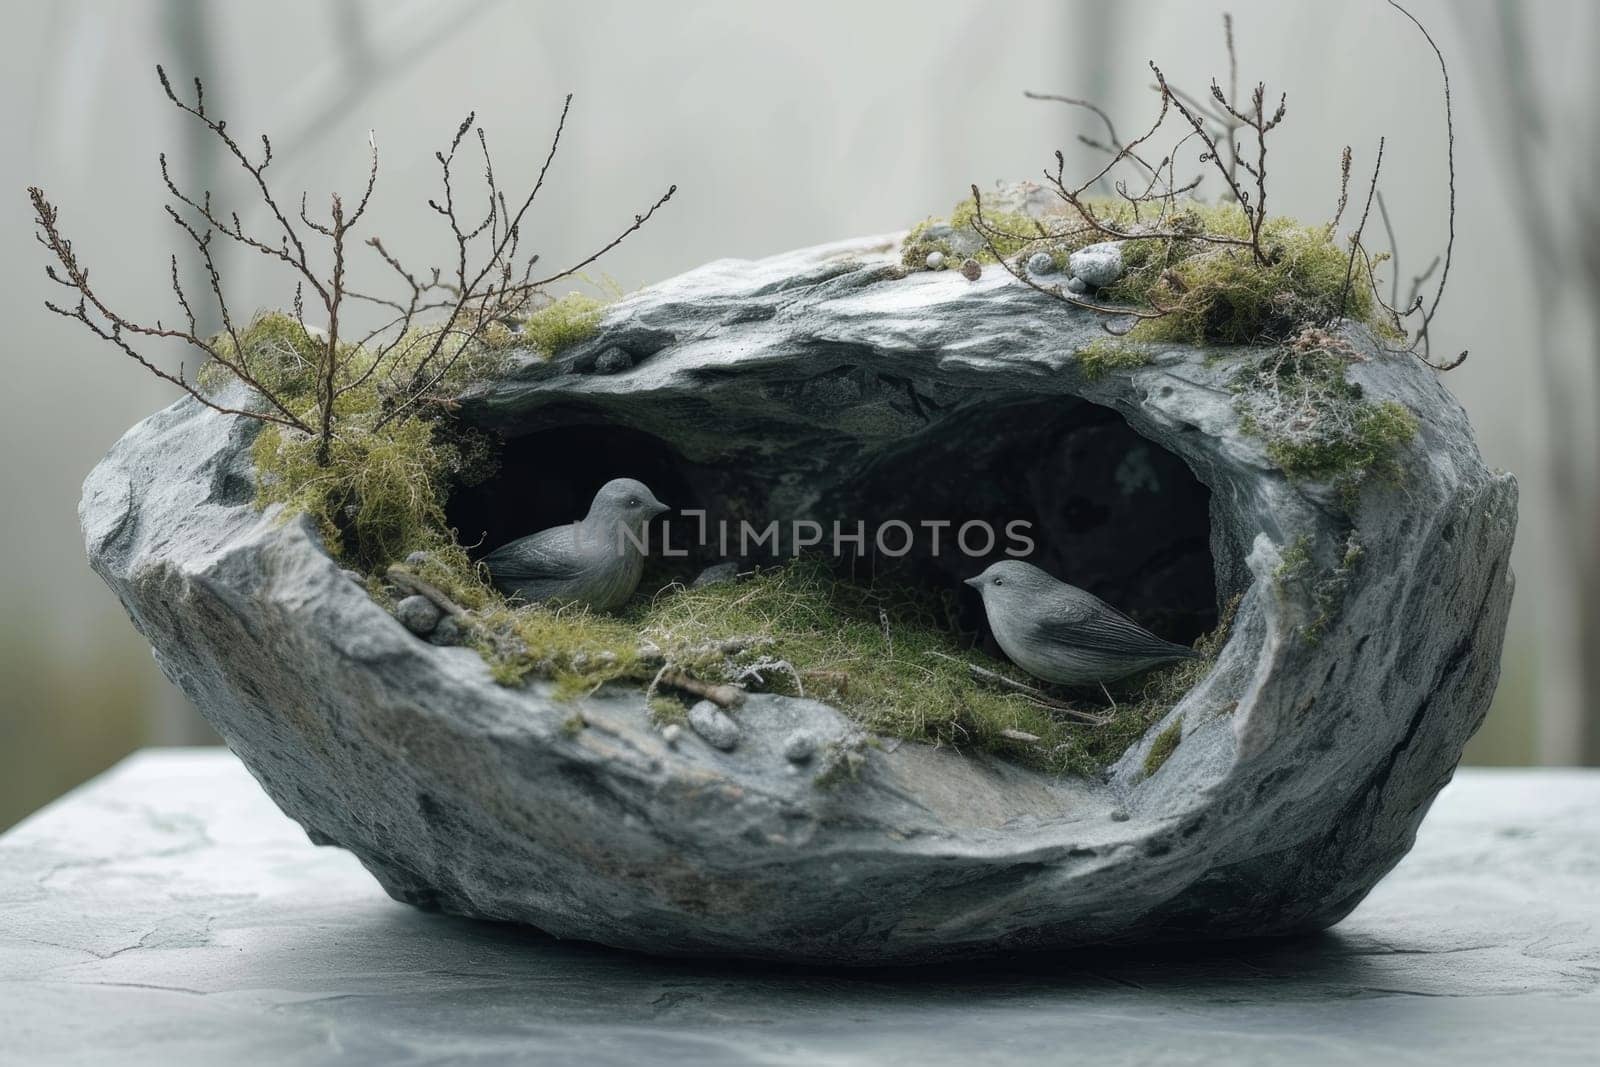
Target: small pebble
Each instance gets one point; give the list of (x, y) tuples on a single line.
[(1119, 815), (417, 559), (1041, 263), (800, 746), (709, 721), (935, 260), (613, 360), (447, 632), (1098, 265), (716, 574), (670, 733), (971, 269), (417, 614), (1077, 285), (354, 576)]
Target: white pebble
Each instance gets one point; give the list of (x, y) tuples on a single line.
[(935, 260)]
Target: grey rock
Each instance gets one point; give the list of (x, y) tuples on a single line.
[(800, 746), (417, 558), (613, 360), (448, 632), (1077, 285), (1097, 265), (1304, 769), (417, 614), (935, 260), (714, 725), (355, 576), (1040, 263), (971, 269), (671, 733), (715, 574)]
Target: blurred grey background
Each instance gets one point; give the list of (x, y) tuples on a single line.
[(783, 126)]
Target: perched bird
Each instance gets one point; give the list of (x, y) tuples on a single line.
[(593, 562), (1062, 634)]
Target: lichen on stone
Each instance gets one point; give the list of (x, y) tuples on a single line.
[(1317, 424)]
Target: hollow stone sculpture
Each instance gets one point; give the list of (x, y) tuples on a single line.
[(1302, 767)]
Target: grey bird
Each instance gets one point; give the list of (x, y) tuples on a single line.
[(1062, 634), (593, 562)]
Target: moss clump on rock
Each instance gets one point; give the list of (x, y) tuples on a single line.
[(563, 323), (1101, 357), (1325, 589), (1316, 423), (956, 239), (1219, 294), (1203, 291), (1162, 748)]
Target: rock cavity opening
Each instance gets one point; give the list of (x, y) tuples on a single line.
[(1103, 507)]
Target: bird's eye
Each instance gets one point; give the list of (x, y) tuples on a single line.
[(634, 502), (999, 581)]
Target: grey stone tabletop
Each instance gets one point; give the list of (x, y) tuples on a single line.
[(166, 912)]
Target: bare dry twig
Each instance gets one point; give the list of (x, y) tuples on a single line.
[(490, 280)]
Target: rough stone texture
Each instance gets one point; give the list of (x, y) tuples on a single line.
[(709, 721), (800, 746), (613, 361), (715, 574), (167, 914), (417, 614), (782, 386)]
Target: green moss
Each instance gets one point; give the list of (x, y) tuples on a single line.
[(1162, 748), (665, 711), (382, 493), (1297, 574), (1014, 231), (1316, 423), (1294, 562), (1207, 292), (381, 496), (277, 351), (1377, 432), (1221, 294), (563, 323), (1101, 357), (887, 680)]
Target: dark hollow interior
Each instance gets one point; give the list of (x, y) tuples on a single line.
[(1107, 510)]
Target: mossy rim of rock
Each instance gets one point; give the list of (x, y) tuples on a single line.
[(1205, 292)]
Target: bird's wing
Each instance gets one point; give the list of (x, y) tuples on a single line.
[(1091, 624), (548, 555)]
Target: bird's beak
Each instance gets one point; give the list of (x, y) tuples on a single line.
[(974, 581), (660, 508)]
